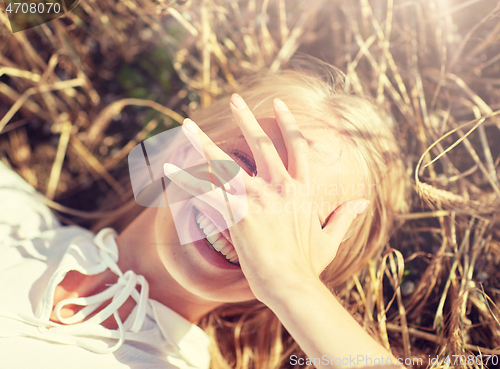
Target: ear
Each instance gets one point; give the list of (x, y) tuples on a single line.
[(341, 219)]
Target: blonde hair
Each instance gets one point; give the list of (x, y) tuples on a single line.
[(248, 335)]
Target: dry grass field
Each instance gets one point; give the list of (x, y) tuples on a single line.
[(78, 93)]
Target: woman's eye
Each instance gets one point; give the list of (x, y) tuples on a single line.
[(248, 163)]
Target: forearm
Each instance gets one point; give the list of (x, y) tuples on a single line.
[(325, 330)]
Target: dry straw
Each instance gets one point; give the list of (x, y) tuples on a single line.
[(434, 63)]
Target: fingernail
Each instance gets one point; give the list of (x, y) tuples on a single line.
[(238, 102), (361, 207), (169, 168), (190, 126), (280, 105)]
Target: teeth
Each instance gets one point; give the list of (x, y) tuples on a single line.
[(209, 229), (204, 222), (219, 242), (226, 249), (213, 238), (233, 258), (231, 254)]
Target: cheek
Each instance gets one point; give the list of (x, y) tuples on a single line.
[(165, 231), (167, 242), (180, 262)]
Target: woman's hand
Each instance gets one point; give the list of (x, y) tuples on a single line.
[(280, 241)]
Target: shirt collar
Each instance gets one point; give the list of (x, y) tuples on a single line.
[(91, 256)]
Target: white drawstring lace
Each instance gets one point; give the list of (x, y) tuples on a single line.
[(119, 292)]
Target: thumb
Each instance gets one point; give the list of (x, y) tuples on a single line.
[(342, 218)]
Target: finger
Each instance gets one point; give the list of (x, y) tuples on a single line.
[(186, 181), (221, 165), (335, 232), (266, 157), (295, 143), (342, 218), (201, 142), (199, 188), (190, 130)]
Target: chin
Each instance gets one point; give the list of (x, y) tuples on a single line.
[(201, 278)]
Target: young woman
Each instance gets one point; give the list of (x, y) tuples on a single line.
[(323, 181)]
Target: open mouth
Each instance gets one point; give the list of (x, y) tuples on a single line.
[(216, 241)]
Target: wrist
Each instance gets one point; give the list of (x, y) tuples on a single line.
[(283, 291)]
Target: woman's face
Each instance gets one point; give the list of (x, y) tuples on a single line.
[(336, 176)]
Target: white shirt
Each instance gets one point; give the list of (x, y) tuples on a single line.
[(36, 252)]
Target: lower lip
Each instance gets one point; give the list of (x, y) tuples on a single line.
[(213, 257)]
